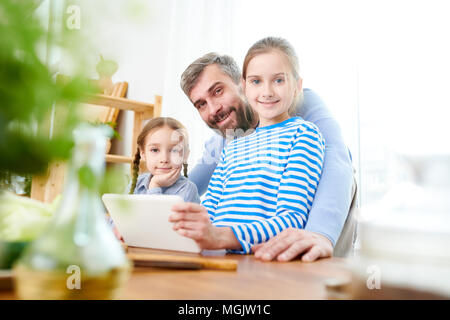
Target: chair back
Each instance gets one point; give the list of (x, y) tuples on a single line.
[(345, 245)]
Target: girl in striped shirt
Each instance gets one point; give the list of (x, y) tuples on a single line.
[(266, 180)]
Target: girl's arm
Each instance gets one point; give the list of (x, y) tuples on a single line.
[(296, 192), (189, 216), (188, 191)]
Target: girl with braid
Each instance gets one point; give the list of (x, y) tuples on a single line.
[(163, 145)]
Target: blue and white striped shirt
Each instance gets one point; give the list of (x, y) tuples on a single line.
[(266, 181)]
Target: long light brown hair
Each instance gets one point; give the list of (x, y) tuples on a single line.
[(156, 123)]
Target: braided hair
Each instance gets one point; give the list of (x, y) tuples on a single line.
[(155, 123), (136, 162)]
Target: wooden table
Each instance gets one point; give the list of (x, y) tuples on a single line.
[(253, 279)]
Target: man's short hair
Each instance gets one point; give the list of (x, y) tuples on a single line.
[(190, 76)]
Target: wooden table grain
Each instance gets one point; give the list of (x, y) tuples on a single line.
[(253, 279)]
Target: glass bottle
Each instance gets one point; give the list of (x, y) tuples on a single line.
[(78, 257)]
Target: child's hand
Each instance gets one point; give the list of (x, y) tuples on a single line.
[(166, 179), (191, 220)]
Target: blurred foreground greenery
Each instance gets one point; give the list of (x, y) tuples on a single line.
[(30, 95), (22, 218)]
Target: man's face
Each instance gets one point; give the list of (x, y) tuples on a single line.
[(218, 101)]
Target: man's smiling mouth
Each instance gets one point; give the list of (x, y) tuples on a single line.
[(222, 117)]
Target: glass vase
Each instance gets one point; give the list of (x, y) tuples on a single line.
[(78, 257)]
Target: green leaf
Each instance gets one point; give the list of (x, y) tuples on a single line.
[(87, 178)]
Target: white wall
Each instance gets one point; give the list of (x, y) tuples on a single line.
[(135, 35), (153, 48), (403, 84)]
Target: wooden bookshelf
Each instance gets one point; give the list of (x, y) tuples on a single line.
[(103, 108), (113, 158)]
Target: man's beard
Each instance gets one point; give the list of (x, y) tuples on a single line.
[(242, 122)]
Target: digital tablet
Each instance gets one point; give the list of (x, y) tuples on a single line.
[(143, 221)]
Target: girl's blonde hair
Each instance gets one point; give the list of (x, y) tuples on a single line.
[(281, 45), (156, 123)]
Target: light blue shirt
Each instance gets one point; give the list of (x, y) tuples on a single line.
[(333, 196), (182, 187)]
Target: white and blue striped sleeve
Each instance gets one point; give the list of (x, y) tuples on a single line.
[(296, 191)]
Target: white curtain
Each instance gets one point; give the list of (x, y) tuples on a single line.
[(196, 27)]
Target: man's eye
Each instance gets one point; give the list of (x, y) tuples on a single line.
[(200, 105), (218, 91)]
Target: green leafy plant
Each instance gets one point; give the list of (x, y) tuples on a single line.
[(113, 125), (106, 68), (30, 96), (22, 218)]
